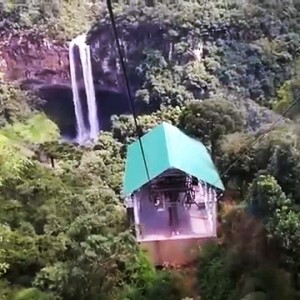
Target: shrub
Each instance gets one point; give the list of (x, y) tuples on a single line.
[(215, 282), (32, 294)]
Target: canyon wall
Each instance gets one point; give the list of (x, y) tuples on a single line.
[(28, 56), (234, 61)]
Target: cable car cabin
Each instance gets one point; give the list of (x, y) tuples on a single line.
[(171, 188)]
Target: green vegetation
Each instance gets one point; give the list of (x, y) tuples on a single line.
[(55, 18), (63, 231), (249, 49)]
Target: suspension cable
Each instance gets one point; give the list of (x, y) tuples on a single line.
[(129, 95)]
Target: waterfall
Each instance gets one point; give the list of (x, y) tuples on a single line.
[(84, 133)]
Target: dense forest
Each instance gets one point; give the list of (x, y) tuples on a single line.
[(63, 228)]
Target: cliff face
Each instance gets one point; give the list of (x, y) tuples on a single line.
[(41, 64), (135, 40), (251, 56), (29, 57), (33, 60), (243, 50), (172, 55)]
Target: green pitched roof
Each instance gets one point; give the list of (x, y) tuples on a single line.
[(166, 147)]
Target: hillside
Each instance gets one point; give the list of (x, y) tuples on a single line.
[(225, 72)]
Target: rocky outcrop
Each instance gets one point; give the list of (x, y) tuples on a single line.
[(135, 39), (232, 54), (42, 65), (34, 61), (29, 57)]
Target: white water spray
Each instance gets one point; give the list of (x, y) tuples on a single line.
[(84, 133)]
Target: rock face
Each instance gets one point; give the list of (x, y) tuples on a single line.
[(231, 56), (34, 61), (42, 65), (28, 57), (134, 40)]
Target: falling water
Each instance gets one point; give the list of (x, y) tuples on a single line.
[(84, 133)]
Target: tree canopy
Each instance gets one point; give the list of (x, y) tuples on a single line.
[(221, 71)]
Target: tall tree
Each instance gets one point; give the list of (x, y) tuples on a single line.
[(211, 119)]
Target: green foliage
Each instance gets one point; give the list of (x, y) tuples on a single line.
[(14, 104), (14, 140), (160, 286), (210, 120), (244, 238), (267, 283), (65, 226), (51, 17), (17, 248), (288, 94), (63, 230), (32, 294), (161, 84), (62, 151), (198, 79), (238, 56), (38, 129), (124, 130), (99, 262), (278, 153), (285, 167), (266, 196), (214, 274), (6, 290), (281, 219), (163, 287), (244, 264), (284, 228), (236, 157)]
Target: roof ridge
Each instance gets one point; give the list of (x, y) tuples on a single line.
[(167, 143)]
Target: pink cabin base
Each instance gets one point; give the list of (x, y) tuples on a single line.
[(176, 252)]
